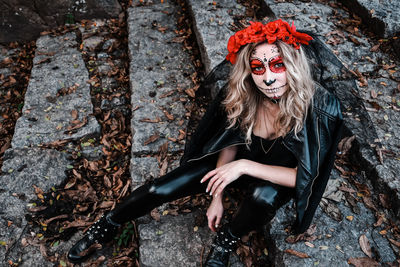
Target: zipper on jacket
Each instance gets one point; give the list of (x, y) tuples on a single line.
[(288, 148), (208, 154), (315, 178)]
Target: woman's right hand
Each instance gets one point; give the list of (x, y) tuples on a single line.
[(215, 212)]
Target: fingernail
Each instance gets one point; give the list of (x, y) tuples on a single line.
[(210, 194), (201, 181), (207, 190)]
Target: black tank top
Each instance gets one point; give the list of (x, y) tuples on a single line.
[(271, 152)]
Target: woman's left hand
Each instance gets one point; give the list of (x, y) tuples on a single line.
[(222, 176)]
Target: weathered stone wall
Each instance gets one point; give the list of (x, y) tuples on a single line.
[(25, 19)]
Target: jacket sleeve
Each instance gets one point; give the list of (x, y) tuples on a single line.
[(331, 135), (213, 122)]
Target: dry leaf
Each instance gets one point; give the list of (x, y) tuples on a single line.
[(156, 120), (368, 202), (155, 214), (168, 115), (346, 189), (394, 242), (363, 262), (374, 94), (151, 139), (308, 244), (346, 143), (365, 246), (74, 114), (297, 253), (190, 92), (375, 48), (384, 201)]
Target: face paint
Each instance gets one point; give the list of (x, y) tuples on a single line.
[(257, 67), (275, 64), (268, 70)]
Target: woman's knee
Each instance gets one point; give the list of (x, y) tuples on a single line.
[(270, 196)]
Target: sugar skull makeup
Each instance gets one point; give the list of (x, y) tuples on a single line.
[(268, 70), (275, 64)]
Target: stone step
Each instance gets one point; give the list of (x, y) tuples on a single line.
[(382, 17), (212, 25), (57, 102), (25, 168), (160, 71), (57, 94)]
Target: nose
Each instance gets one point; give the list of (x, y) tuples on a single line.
[(269, 77), (269, 82)]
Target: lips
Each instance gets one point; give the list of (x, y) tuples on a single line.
[(272, 90)]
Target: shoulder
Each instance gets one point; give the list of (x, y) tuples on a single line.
[(326, 103)]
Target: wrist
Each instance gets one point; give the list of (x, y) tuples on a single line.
[(244, 167)]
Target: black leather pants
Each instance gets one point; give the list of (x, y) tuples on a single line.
[(263, 198)]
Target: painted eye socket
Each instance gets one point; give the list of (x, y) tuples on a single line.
[(276, 65), (257, 67)]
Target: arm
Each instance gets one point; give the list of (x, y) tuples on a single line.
[(275, 174), (216, 209), (226, 155), (224, 175)]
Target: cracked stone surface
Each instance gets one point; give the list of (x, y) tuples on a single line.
[(212, 25), (57, 102), (381, 16), (159, 72), (24, 169), (24, 20)]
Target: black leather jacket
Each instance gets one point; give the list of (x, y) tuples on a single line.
[(314, 147)]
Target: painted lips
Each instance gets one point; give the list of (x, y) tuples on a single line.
[(272, 90)]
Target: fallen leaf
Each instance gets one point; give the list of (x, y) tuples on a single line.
[(308, 244), (374, 94), (375, 48), (384, 201), (168, 115), (297, 253), (190, 92), (354, 40), (368, 202), (151, 139), (350, 217), (394, 242), (346, 189), (363, 262), (74, 114), (155, 214), (365, 246)]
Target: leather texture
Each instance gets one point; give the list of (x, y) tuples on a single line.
[(314, 147)]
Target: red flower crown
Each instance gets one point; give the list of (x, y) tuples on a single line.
[(270, 32)]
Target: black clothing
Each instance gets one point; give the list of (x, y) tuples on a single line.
[(277, 155), (261, 202), (314, 147)]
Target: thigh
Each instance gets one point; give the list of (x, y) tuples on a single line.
[(184, 180), (270, 194)]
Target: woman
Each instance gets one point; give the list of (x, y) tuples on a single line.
[(274, 136)]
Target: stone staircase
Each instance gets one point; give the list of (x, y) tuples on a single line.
[(58, 109)]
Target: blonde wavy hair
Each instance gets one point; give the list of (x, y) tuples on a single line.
[(243, 97)]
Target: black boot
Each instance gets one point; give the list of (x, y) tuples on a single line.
[(100, 232), (224, 243)]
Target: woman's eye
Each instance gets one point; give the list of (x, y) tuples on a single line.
[(258, 70)]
